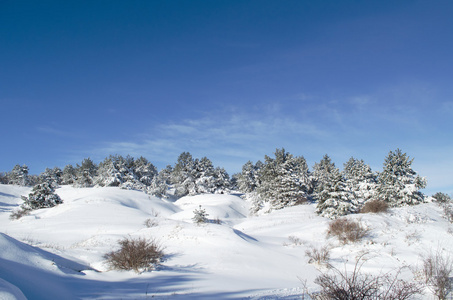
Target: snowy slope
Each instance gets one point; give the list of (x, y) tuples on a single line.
[(57, 253)]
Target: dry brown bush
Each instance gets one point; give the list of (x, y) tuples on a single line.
[(375, 206), (136, 254), (347, 230)]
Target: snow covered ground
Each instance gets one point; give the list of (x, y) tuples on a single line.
[(58, 253)]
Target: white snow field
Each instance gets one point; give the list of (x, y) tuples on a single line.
[(58, 253)]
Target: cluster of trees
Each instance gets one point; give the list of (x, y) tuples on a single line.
[(280, 181), (188, 176), (286, 180)]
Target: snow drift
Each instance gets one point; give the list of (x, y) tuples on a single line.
[(58, 253)]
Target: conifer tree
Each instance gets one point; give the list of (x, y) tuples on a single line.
[(331, 192), (322, 173), (248, 179), (197, 176), (161, 183), (69, 175), (200, 216), (284, 180), (86, 173), (111, 171), (159, 186), (335, 199), (3, 178), (221, 182), (442, 198), (204, 176), (125, 172), (42, 196), (144, 170), (183, 175), (19, 176), (360, 180), (52, 176), (399, 184)]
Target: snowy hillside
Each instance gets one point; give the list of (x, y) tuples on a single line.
[(58, 253)]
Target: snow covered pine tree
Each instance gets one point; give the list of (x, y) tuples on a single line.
[(399, 184), (42, 196), (333, 197), (86, 173), (284, 180), (19, 176), (360, 180), (200, 216), (193, 176)]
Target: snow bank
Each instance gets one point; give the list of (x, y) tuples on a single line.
[(218, 206), (10, 292), (58, 253), (37, 273)]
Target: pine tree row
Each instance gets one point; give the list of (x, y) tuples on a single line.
[(189, 176), (280, 181), (286, 180)]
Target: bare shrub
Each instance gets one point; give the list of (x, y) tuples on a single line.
[(340, 285), (295, 240), (413, 237), (155, 213), (19, 213), (347, 230), (150, 223), (319, 256), (448, 211), (375, 206), (436, 271), (135, 254)]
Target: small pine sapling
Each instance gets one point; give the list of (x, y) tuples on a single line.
[(200, 216)]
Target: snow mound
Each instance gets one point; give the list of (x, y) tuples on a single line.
[(58, 252), (14, 251), (34, 271), (10, 197), (218, 206), (10, 292)]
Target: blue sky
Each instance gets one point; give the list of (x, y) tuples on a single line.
[(230, 80)]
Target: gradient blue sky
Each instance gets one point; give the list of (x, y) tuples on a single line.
[(230, 80)]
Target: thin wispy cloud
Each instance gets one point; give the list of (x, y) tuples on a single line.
[(53, 131), (228, 140)]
